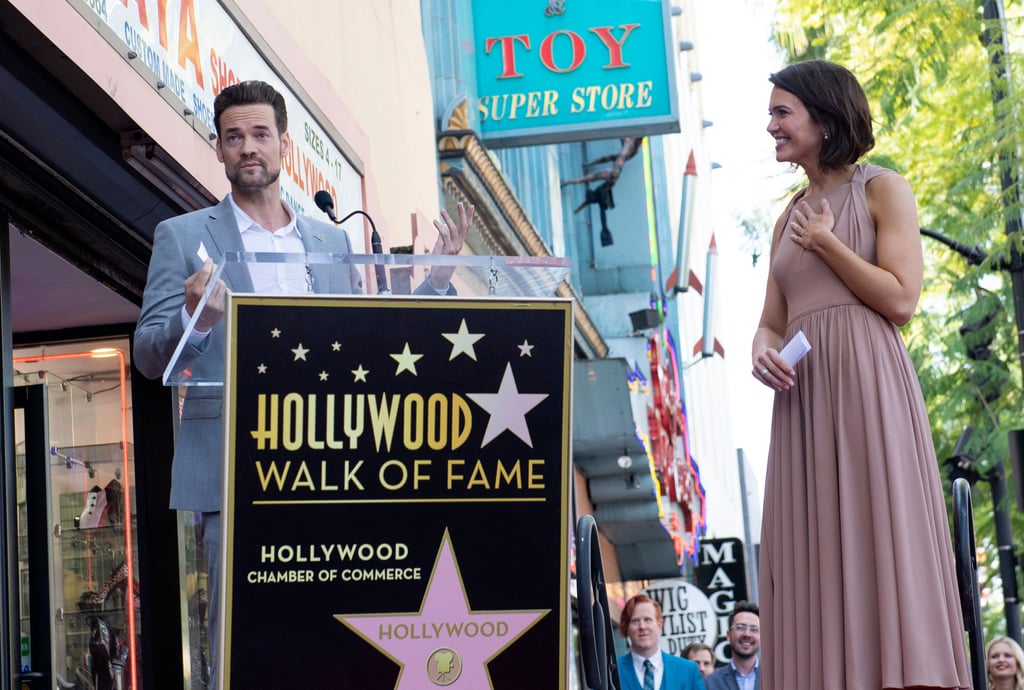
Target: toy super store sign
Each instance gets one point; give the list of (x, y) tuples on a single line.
[(565, 70)]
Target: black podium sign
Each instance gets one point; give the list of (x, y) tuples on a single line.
[(397, 493)]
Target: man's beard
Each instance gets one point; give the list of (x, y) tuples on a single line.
[(743, 655), (261, 181)]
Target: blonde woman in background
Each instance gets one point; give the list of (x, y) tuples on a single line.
[(1005, 664)]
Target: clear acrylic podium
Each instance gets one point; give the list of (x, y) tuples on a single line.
[(473, 276)]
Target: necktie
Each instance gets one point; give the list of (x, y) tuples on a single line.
[(648, 675)]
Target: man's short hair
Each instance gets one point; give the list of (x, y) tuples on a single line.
[(627, 611), (696, 647), (744, 607), (252, 92)]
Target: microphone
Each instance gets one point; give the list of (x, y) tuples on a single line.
[(325, 203)]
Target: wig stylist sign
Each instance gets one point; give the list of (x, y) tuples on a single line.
[(561, 70), (396, 505)]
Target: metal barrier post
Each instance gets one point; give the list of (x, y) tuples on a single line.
[(967, 578), (600, 666)]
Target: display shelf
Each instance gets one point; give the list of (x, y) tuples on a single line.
[(95, 564)]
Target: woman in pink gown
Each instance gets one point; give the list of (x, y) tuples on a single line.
[(858, 589)]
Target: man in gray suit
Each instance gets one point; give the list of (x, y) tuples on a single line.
[(252, 138), (744, 635)]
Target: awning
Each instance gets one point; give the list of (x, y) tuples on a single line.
[(627, 507)]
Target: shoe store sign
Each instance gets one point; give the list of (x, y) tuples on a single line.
[(189, 50), (397, 493), (552, 71)]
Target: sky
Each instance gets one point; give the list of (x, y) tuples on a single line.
[(736, 58)]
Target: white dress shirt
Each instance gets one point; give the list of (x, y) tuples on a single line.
[(267, 278)]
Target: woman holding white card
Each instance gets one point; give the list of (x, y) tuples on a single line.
[(858, 589)]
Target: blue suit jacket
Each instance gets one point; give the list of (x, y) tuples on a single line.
[(724, 678), (680, 674), (197, 472)]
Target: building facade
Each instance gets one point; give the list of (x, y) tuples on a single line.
[(108, 130)]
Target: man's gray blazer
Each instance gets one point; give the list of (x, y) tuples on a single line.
[(197, 472), (724, 678)]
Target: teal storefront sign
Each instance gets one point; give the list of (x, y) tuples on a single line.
[(569, 70)]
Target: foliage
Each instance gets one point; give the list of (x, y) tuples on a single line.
[(947, 122)]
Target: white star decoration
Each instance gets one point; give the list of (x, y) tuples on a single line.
[(324, 375), (508, 408), (276, 333), (262, 368), (526, 349), (336, 346), (406, 361), (300, 353), (462, 342), (360, 374)]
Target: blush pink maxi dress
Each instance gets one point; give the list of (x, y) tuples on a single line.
[(857, 582)]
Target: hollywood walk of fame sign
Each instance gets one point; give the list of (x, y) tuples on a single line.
[(397, 493)]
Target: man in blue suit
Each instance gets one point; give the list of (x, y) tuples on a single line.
[(743, 671), (646, 666), (252, 138)]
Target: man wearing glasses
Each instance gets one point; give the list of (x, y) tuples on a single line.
[(646, 666), (744, 637)]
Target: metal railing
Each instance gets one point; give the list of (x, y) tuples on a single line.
[(600, 666), (967, 578)]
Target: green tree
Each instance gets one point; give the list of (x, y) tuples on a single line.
[(926, 71)]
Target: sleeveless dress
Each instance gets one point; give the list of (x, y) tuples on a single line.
[(857, 582)]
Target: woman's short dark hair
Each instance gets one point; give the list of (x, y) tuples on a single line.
[(835, 100), (252, 92)]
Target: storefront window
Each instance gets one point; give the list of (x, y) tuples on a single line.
[(89, 547)]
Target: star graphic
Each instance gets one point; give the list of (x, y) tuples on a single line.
[(406, 361), (336, 346), (323, 375), (360, 374), (262, 368), (276, 333), (300, 353), (462, 342), (443, 621), (526, 349), (508, 408)]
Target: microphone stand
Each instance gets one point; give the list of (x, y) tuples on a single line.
[(325, 203), (376, 248)]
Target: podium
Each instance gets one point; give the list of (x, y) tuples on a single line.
[(397, 473), (490, 276)]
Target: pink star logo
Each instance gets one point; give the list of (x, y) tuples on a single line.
[(446, 642)]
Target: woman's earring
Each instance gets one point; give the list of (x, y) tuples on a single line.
[(826, 135)]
